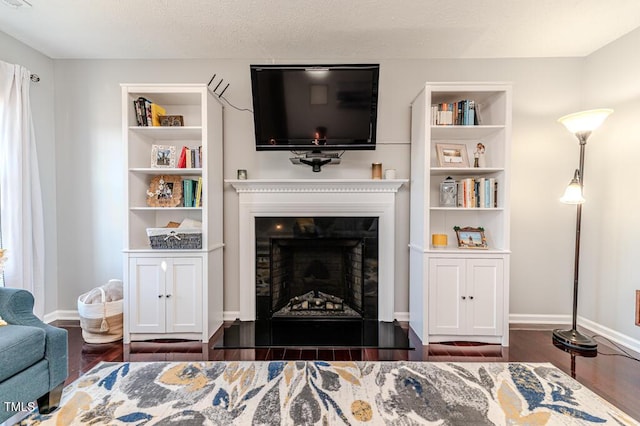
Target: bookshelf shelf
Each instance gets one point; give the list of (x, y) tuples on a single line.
[(168, 133), (166, 171), (441, 279), (173, 293), (464, 132)]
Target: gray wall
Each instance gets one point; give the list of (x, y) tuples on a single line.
[(90, 173)]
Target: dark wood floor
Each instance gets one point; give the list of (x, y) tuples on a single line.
[(613, 376)]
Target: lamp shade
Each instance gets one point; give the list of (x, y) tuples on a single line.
[(585, 121), (573, 193)]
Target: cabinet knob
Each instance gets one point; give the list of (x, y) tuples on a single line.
[(471, 297), (160, 296), (168, 296), (464, 297)]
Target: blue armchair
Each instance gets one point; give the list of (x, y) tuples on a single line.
[(33, 357)]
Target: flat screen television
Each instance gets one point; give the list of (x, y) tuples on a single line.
[(315, 107)]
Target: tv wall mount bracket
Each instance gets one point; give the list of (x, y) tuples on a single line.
[(316, 159)]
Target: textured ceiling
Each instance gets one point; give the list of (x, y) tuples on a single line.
[(319, 29)]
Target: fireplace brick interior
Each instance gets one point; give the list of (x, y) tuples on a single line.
[(302, 262)]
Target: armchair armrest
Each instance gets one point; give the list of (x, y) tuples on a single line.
[(16, 307)]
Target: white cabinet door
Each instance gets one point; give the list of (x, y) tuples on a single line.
[(165, 295), (484, 291), (147, 280), (446, 289), (465, 297), (184, 296)]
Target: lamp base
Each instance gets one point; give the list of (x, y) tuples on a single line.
[(574, 340)]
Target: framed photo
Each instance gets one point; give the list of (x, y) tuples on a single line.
[(452, 155), (171, 120), (471, 238), (163, 156), (165, 191)]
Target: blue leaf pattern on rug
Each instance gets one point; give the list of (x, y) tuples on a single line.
[(329, 393), (134, 417), (275, 368), (110, 380), (533, 391)]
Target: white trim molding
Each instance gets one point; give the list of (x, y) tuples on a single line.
[(317, 198)]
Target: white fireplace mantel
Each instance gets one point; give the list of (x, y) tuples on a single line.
[(317, 197)]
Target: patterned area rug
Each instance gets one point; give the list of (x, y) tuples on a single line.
[(329, 393)]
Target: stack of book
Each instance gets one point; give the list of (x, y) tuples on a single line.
[(190, 158), (147, 113), (192, 192), (477, 193), (461, 113)]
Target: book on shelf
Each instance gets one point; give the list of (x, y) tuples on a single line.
[(190, 158), (156, 112), (198, 202), (461, 113), (192, 192), (182, 159), (478, 192), (197, 161), (147, 112)]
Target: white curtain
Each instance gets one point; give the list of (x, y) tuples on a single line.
[(20, 193)]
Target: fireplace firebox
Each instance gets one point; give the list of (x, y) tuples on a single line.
[(316, 268)]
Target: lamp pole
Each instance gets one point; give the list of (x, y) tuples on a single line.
[(582, 137)]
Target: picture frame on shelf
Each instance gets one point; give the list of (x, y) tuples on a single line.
[(471, 238), (165, 191), (171, 120), (163, 156), (452, 155)]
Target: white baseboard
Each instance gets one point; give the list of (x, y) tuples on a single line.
[(230, 315), (539, 319), (614, 336), (401, 316), (61, 315), (595, 328)]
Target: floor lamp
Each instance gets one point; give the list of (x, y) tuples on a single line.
[(581, 124)]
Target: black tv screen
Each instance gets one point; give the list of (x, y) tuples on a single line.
[(315, 107)]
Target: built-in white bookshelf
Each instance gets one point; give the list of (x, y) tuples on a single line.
[(178, 292), (460, 293)]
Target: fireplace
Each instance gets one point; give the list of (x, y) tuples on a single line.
[(318, 199), (316, 267)]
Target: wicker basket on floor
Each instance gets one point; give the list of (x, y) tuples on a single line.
[(100, 322)]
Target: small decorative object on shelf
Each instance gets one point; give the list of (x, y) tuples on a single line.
[(439, 240), (171, 120), (449, 193), (376, 171), (163, 156), (165, 191), (390, 174), (478, 156), (452, 155), (471, 238), (242, 174)]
